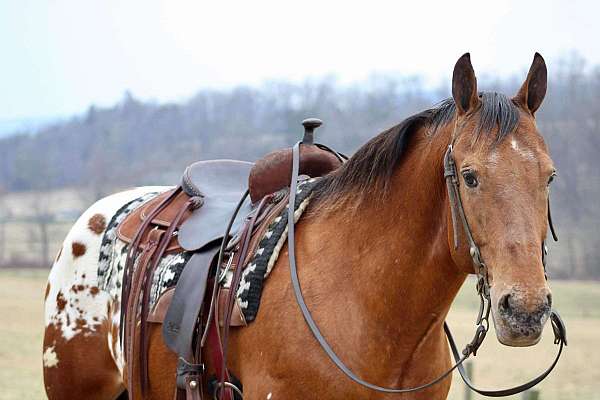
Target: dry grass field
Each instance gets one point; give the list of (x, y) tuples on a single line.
[(576, 377)]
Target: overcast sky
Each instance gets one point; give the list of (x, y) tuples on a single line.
[(59, 57)]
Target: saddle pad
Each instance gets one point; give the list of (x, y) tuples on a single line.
[(113, 256), (267, 253)]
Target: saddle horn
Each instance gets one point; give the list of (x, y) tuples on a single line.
[(310, 124)]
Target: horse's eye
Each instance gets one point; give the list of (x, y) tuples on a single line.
[(470, 178), (551, 178)]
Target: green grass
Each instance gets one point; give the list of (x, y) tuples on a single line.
[(576, 377)]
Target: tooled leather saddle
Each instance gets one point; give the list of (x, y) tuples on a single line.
[(205, 216)]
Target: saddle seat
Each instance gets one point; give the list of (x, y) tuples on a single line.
[(219, 184)]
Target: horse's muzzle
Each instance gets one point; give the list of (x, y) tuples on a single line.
[(519, 319)]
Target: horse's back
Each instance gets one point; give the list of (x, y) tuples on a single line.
[(81, 348)]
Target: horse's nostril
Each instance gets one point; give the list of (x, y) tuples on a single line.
[(549, 300), (504, 302)]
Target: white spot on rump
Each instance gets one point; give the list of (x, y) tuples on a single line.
[(269, 396), (49, 358)]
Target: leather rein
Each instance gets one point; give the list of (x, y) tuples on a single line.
[(483, 291)]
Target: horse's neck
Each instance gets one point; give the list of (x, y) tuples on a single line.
[(387, 266)]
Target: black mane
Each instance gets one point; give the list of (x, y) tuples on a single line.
[(372, 166)]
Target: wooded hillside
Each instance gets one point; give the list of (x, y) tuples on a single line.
[(137, 142)]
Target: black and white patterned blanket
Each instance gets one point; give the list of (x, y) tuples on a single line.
[(113, 255)]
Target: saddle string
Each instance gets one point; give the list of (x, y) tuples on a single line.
[(130, 261), (340, 156), (129, 307), (191, 204)]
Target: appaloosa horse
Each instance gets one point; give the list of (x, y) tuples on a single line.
[(376, 258)]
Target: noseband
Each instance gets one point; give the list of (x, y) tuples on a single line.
[(483, 290)]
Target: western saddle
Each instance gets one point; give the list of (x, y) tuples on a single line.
[(205, 216)]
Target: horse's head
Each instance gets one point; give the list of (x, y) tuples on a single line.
[(504, 173)]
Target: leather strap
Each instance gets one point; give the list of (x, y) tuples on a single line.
[(550, 223), (137, 281), (456, 206), (131, 256), (147, 284), (130, 338), (241, 256), (213, 341)]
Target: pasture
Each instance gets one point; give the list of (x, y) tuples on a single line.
[(577, 375)]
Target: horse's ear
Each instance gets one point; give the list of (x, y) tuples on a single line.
[(532, 93), (464, 85)]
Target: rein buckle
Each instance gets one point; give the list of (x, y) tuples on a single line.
[(559, 328), (473, 346)]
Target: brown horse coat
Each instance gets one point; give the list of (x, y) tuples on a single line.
[(375, 259)]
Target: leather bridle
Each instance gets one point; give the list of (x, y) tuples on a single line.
[(483, 290)]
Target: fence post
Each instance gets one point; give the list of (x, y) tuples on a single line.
[(531, 394), (469, 370)]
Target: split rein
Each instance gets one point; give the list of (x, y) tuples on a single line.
[(483, 290)]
